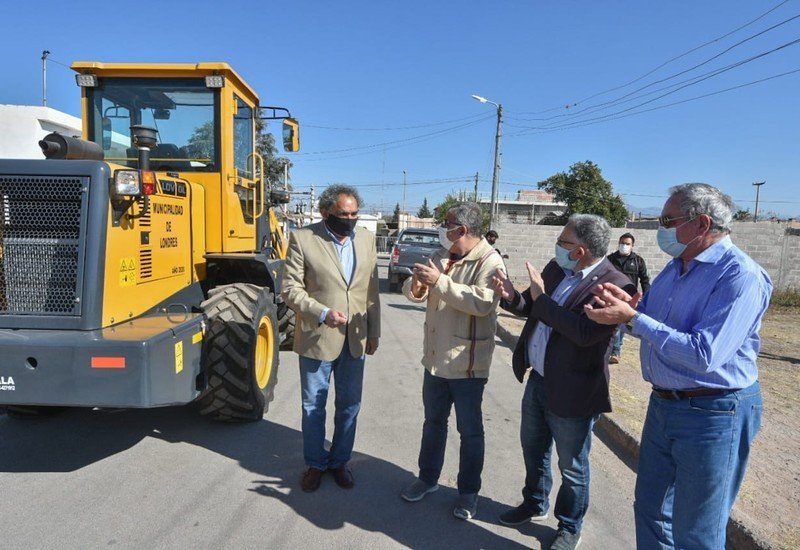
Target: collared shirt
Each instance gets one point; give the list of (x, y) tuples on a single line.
[(347, 257), (700, 328), (537, 344)]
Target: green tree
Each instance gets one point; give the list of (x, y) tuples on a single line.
[(201, 142), (396, 215), (440, 211), (585, 191), (273, 164), (743, 215), (424, 212)]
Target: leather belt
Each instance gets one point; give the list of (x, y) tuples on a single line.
[(677, 395)]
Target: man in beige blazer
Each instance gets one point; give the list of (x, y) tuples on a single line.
[(331, 282)]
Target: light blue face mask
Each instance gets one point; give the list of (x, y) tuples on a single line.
[(563, 259), (667, 238)]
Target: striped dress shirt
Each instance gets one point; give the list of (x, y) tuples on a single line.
[(700, 328)]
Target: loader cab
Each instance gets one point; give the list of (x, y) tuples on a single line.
[(205, 116)]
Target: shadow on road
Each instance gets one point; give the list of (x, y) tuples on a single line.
[(273, 453)]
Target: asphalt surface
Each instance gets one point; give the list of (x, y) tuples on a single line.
[(167, 478)]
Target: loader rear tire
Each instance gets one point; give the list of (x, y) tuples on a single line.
[(286, 324), (240, 352)]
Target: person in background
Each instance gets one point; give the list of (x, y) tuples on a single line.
[(491, 238), (698, 327), (330, 280), (567, 388), (634, 266), (460, 324)]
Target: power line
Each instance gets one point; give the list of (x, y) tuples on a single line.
[(627, 97), (665, 63), (420, 137), (618, 115), (305, 125)]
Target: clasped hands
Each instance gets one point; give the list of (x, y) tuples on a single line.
[(611, 305), (335, 318)]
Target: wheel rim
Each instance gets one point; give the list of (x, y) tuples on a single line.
[(264, 351)]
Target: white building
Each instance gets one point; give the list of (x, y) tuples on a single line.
[(22, 126)]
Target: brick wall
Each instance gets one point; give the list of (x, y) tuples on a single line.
[(770, 244)]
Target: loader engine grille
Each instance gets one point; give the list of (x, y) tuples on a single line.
[(40, 244)]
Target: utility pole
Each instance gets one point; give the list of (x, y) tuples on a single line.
[(498, 136), (475, 197), (45, 53), (404, 198), (758, 185)]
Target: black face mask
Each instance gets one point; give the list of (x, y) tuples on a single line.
[(341, 226)]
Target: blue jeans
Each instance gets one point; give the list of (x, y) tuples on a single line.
[(438, 396), (692, 460), (573, 438), (617, 348), (315, 377)]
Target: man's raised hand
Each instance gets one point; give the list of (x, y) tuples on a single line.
[(502, 284)]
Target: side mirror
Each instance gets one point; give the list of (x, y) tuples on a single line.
[(279, 196), (106, 123), (291, 135)]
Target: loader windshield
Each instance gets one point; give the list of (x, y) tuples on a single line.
[(184, 112)]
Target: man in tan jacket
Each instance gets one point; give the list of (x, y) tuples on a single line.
[(460, 323), (331, 282)]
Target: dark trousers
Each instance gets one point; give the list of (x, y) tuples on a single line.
[(438, 396)]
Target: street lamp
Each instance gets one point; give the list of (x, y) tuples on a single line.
[(498, 136), (758, 185)]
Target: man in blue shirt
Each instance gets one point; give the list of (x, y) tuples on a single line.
[(698, 327)]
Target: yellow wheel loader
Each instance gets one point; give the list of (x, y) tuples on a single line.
[(140, 266)]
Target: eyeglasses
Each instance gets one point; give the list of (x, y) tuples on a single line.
[(562, 242), (450, 225), (666, 221)]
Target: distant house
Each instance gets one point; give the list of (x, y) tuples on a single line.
[(24, 125), (527, 207)]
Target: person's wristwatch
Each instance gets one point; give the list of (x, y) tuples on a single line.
[(632, 322)]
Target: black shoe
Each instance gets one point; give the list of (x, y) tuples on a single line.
[(521, 514), (312, 478)]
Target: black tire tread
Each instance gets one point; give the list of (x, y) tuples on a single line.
[(232, 394)]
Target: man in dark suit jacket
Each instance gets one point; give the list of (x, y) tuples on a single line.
[(568, 385)]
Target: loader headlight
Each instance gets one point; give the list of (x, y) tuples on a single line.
[(86, 80), (127, 183)]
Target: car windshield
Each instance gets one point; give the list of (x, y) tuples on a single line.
[(420, 238), (182, 110)]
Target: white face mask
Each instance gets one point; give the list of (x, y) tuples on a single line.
[(446, 243), (625, 249)]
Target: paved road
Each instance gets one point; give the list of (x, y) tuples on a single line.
[(168, 479)]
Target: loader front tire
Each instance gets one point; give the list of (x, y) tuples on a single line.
[(240, 352), (286, 324)]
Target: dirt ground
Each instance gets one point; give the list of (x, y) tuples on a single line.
[(769, 501)]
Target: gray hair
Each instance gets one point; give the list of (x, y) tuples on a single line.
[(470, 215), (593, 232), (331, 194), (701, 198)]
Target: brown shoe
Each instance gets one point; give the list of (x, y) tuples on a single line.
[(613, 360), (311, 480), (343, 477)]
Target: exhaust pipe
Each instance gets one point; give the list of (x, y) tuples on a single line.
[(56, 146)]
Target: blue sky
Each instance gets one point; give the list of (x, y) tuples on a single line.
[(375, 84)]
